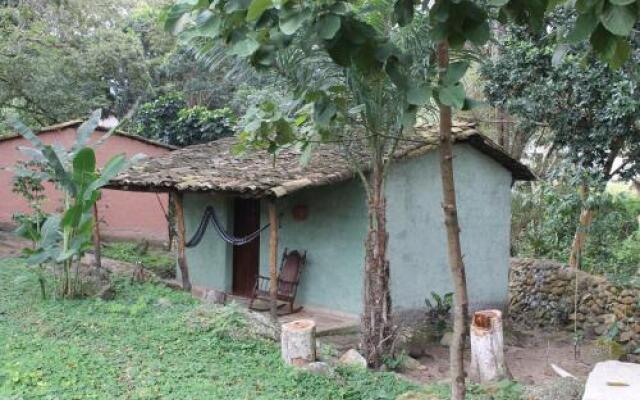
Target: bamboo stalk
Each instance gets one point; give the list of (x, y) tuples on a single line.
[(182, 257)]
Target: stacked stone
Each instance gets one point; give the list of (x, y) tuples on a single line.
[(542, 294)]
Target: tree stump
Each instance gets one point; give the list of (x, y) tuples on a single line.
[(139, 274), (487, 347), (298, 341)]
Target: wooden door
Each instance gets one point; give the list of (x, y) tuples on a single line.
[(246, 258)]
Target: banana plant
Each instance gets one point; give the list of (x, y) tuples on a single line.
[(64, 238)]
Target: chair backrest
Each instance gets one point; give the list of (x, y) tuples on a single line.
[(292, 264)]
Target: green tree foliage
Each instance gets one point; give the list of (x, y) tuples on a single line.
[(591, 110), (169, 120), (59, 60), (545, 218)]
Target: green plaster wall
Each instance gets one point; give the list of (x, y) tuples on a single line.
[(417, 241), (334, 232), (210, 263), (333, 235)]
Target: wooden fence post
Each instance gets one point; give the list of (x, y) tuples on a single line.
[(182, 257)]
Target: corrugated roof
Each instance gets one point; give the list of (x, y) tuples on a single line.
[(213, 167), (78, 122)]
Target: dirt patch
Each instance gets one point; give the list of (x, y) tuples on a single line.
[(11, 245), (528, 356)]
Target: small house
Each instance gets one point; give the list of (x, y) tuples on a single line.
[(137, 216), (321, 209)]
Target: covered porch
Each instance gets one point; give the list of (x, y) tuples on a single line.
[(328, 322)]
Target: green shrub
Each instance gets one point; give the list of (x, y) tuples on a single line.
[(545, 218), (626, 258), (168, 119), (439, 311)]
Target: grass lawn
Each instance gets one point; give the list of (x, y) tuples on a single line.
[(141, 348), (149, 343)]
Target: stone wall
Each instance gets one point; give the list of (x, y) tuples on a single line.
[(541, 294)]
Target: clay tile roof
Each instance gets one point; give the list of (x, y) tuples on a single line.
[(77, 122), (213, 167)]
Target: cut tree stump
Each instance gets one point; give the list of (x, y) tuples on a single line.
[(298, 341), (487, 347)]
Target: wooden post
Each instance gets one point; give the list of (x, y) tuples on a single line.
[(273, 259), (182, 257), (171, 220), (97, 242), (487, 347)]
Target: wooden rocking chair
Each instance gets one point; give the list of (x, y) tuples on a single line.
[(288, 280)]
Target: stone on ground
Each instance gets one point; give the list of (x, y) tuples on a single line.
[(260, 324), (164, 302), (413, 395), (318, 368), (352, 357), (215, 297), (556, 389), (613, 380), (446, 339), (106, 292), (411, 364)]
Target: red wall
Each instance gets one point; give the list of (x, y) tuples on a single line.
[(124, 215)]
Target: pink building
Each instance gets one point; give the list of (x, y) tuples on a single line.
[(122, 215)]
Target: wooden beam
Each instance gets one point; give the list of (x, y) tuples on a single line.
[(97, 242), (182, 257), (273, 258)]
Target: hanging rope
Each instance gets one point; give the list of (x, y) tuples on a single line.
[(210, 216)]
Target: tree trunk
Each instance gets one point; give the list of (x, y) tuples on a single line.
[(97, 242), (487, 347), (580, 237), (273, 260), (456, 265), (376, 318), (298, 342), (182, 257)]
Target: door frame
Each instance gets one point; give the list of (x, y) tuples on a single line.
[(242, 281)]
